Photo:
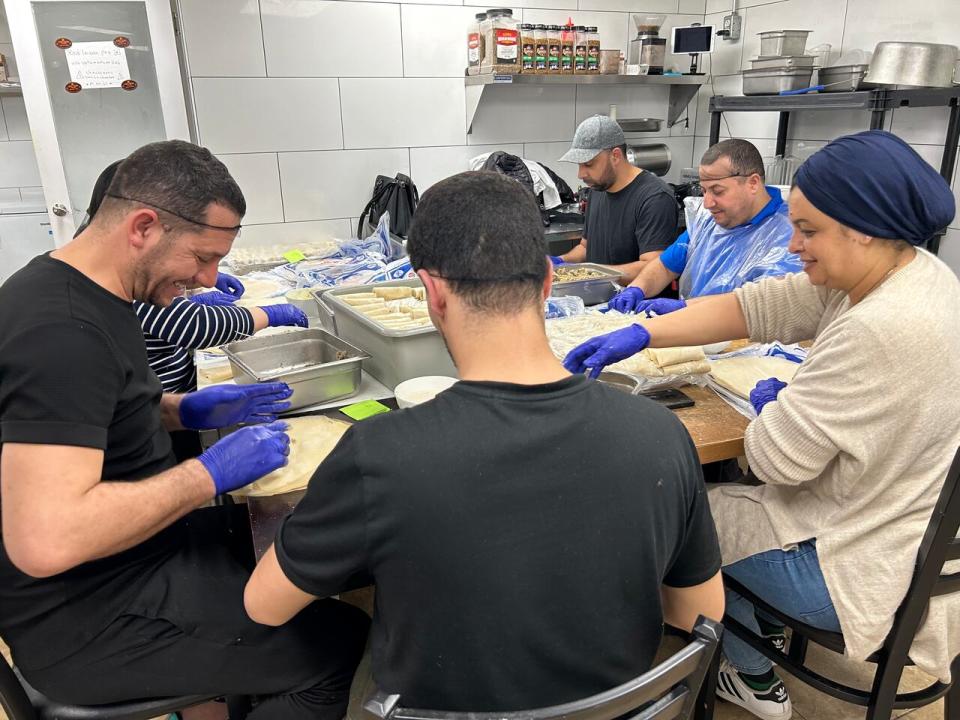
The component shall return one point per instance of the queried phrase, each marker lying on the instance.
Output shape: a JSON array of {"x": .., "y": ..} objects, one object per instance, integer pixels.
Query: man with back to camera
[
  {"x": 631, "y": 214},
  {"x": 740, "y": 233},
  {"x": 113, "y": 586},
  {"x": 509, "y": 564}
]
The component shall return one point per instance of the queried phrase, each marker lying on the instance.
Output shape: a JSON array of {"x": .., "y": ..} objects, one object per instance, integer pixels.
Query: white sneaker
[{"x": 772, "y": 704}]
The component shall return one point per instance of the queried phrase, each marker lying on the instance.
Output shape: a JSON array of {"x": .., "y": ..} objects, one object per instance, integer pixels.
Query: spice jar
[
  {"x": 475, "y": 43},
  {"x": 528, "y": 49},
  {"x": 566, "y": 48},
  {"x": 580, "y": 43},
  {"x": 553, "y": 49},
  {"x": 540, "y": 34},
  {"x": 593, "y": 51},
  {"x": 501, "y": 42}
]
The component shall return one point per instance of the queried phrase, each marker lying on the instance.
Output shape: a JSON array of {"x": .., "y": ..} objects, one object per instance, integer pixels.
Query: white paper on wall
[{"x": 97, "y": 64}]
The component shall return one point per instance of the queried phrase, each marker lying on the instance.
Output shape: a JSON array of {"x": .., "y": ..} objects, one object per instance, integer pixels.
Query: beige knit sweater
[{"x": 855, "y": 450}]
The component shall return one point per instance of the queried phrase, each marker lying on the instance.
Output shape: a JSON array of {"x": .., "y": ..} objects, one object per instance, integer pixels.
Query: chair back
[
  {"x": 666, "y": 692},
  {"x": 13, "y": 698},
  {"x": 940, "y": 544}
]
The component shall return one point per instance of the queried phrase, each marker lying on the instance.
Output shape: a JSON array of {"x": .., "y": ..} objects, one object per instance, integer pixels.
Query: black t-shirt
[
  {"x": 622, "y": 226},
  {"x": 517, "y": 562},
  {"x": 73, "y": 371}
]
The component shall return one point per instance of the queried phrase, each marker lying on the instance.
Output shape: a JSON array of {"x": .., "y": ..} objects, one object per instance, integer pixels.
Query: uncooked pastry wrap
[
  {"x": 312, "y": 438},
  {"x": 740, "y": 375}
]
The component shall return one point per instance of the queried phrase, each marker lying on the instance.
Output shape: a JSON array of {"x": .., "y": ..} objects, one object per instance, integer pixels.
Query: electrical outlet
[{"x": 731, "y": 27}]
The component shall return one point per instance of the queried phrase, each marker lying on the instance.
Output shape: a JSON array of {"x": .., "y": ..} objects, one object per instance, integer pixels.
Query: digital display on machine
[{"x": 693, "y": 39}]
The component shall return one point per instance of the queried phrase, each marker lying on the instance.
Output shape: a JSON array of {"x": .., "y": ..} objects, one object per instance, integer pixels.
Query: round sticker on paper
[
  {"x": 129, "y": 84},
  {"x": 73, "y": 87},
  {"x": 121, "y": 42},
  {"x": 63, "y": 43}
]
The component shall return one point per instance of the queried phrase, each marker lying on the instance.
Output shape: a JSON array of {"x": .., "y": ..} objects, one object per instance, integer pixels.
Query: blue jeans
[{"x": 789, "y": 581}]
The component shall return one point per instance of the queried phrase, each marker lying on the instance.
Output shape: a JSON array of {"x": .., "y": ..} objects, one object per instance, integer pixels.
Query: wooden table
[{"x": 716, "y": 428}]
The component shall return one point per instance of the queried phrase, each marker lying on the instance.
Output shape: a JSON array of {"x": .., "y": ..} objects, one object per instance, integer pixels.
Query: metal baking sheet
[{"x": 593, "y": 291}]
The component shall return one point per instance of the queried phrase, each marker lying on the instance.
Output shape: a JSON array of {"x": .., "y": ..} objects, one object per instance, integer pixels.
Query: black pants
[{"x": 190, "y": 634}]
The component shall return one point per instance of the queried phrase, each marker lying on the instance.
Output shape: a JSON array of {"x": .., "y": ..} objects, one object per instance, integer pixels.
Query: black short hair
[
  {"x": 482, "y": 232},
  {"x": 173, "y": 175},
  {"x": 743, "y": 156}
]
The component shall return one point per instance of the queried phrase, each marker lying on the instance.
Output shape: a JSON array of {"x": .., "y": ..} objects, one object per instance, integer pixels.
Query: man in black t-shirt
[
  {"x": 631, "y": 214},
  {"x": 113, "y": 586},
  {"x": 515, "y": 566}
]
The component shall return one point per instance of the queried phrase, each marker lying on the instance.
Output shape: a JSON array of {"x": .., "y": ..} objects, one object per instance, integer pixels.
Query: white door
[{"x": 83, "y": 113}]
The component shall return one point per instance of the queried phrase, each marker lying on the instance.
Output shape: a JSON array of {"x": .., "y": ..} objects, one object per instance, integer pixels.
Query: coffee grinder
[{"x": 648, "y": 48}]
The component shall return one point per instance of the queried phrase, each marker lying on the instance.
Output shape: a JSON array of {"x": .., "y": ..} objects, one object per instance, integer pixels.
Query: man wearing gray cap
[{"x": 631, "y": 214}]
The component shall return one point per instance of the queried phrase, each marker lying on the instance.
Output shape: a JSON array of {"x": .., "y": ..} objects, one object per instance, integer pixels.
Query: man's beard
[{"x": 604, "y": 183}]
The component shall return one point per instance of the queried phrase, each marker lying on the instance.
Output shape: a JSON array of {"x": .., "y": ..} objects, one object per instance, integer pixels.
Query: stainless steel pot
[
  {"x": 913, "y": 63},
  {"x": 655, "y": 157}
]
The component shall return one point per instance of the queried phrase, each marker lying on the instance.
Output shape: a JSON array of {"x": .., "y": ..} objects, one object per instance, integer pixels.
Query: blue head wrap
[{"x": 876, "y": 184}]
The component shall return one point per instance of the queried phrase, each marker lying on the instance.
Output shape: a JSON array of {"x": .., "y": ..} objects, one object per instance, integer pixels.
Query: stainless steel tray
[
  {"x": 844, "y": 78},
  {"x": 395, "y": 355},
  {"x": 621, "y": 381},
  {"x": 782, "y": 61},
  {"x": 773, "y": 81},
  {"x": 317, "y": 365},
  {"x": 593, "y": 291}
]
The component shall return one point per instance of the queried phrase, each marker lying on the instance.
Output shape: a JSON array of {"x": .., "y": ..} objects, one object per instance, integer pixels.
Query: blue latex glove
[
  {"x": 220, "y": 406},
  {"x": 214, "y": 297},
  {"x": 230, "y": 285},
  {"x": 246, "y": 455},
  {"x": 660, "y": 306},
  {"x": 596, "y": 353},
  {"x": 557, "y": 260},
  {"x": 627, "y": 300},
  {"x": 766, "y": 391},
  {"x": 285, "y": 314}
]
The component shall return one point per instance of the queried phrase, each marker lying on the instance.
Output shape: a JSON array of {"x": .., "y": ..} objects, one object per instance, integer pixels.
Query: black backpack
[{"x": 397, "y": 196}]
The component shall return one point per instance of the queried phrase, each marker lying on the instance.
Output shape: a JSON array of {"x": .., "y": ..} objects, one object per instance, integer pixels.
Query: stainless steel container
[
  {"x": 791, "y": 61},
  {"x": 653, "y": 157},
  {"x": 783, "y": 42},
  {"x": 914, "y": 64},
  {"x": 844, "y": 78},
  {"x": 593, "y": 291},
  {"x": 394, "y": 355},
  {"x": 317, "y": 365},
  {"x": 620, "y": 381},
  {"x": 640, "y": 124},
  {"x": 773, "y": 81}
]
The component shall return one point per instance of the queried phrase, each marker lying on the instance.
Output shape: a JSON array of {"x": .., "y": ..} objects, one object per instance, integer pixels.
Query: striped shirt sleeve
[{"x": 192, "y": 326}]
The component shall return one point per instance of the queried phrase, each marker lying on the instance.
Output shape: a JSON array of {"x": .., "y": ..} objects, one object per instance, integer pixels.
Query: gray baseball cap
[{"x": 595, "y": 134}]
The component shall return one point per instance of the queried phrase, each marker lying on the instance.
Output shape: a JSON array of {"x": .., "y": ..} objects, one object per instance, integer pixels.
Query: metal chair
[
  {"x": 21, "y": 702},
  {"x": 668, "y": 691},
  {"x": 939, "y": 545}
]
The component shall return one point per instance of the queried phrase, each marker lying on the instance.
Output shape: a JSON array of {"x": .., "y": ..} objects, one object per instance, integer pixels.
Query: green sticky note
[
  {"x": 294, "y": 256},
  {"x": 365, "y": 409}
]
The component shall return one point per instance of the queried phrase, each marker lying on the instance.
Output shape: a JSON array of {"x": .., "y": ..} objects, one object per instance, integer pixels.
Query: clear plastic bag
[
  {"x": 558, "y": 307},
  {"x": 720, "y": 260}
]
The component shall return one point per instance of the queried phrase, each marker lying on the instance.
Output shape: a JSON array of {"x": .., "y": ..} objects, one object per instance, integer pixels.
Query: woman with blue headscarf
[{"x": 853, "y": 453}]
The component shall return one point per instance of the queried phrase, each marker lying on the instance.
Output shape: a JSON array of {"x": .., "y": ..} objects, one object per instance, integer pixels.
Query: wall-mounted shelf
[
  {"x": 10, "y": 88},
  {"x": 683, "y": 88}
]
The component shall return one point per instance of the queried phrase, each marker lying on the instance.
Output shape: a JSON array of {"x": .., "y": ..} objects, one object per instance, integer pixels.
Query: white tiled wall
[
  {"x": 307, "y": 101},
  {"x": 847, "y": 25},
  {"x": 19, "y": 176}
]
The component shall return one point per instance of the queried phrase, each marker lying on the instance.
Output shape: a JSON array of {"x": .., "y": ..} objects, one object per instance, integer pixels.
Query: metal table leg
[
  {"x": 714, "y": 127},
  {"x": 782, "y": 128}
]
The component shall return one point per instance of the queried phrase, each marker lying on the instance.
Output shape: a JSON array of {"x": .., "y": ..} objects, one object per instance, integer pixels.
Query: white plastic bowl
[{"x": 421, "y": 389}]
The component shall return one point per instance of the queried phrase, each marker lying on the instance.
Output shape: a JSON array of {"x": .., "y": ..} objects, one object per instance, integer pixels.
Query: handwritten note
[{"x": 97, "y": 65}]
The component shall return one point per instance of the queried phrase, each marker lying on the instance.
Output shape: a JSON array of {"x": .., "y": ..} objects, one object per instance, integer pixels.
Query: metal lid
[
  {"x": 541, "y": 26},
  {"x": 499, "y": 12}
]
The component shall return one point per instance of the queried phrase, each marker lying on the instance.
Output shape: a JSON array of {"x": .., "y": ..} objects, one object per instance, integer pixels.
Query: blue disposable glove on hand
[
  {"x": 557, "y": 260},
  {"x": 627, "y": 300},
  {"x": 230, "y": 285},
  {"x": 766, "y": 391},
  {"x": 246, "y": 455},
  {"x": 596, "y": 353},
  {"x": 214, "y": 297},
  {"x": 285, "y": 314},
  {"x": 660, "y": 306},
  {"x": 220, "y": 406}
]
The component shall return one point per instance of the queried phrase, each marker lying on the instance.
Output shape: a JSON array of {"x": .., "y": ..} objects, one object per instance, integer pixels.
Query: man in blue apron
[{"x": 737, "y": 234}]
